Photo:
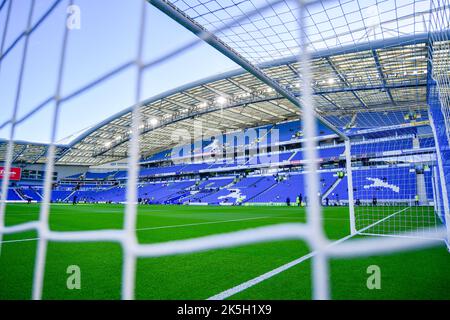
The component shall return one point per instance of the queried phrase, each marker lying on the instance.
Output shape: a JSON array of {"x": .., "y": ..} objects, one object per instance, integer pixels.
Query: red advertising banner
[{"x": 14, "y": 173}]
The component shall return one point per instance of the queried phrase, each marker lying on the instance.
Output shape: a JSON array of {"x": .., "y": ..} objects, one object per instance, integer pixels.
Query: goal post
[
  {"x": 438, "y": 100},
  {"x": 351, "y": 203},
  {"x": 398, "y": 182},
  {"x": 442, "y": 207},
  {"x": 390, "y": 185}
]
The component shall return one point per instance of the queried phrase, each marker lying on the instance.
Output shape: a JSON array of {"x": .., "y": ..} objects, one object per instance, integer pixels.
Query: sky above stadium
[{"x": 107, "y": 38}]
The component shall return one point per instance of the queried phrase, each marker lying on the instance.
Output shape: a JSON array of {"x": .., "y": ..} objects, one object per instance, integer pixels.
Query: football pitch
[{"x": 409, "y": 275}]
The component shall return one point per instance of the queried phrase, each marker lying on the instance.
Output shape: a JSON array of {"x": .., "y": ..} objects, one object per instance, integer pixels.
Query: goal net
[
  {"x": 400, "y": 162},
  {"x": 439, "y": 102},
  {"x": 394, "y": 181},
  {"x": 396, "y": 192}
]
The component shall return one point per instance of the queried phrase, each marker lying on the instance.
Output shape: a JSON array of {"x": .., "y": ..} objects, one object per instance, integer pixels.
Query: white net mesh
[
  {"x": 393, "y": 186},
  {"x": 440, "y": 46},
  {"x": 132, "y": 134}
]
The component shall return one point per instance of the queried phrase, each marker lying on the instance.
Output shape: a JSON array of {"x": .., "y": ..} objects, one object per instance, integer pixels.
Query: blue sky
[{"x": 107, "y": 39}]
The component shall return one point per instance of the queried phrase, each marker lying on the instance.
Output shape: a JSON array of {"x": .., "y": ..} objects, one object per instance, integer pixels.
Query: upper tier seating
[
  {"x": 251, "y": 137},
  {"x": 293, "y": 186},
  {"x": 324, "y": 153},
  {"x": 99, "y": 175},
  {"x": 270, "y": 158},
  {"x": 382, "y": 146},
  {"x": 74, "y": 176},
  {"x": 164, "y": 155},
  {"x": 214, "y": 183},
  {"x": 160, "y": 170},
  {"x": 194, "y": 167}
]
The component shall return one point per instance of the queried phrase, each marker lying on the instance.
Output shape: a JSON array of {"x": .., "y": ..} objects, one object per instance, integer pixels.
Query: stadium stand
[
  {"x": 32, "y": 193},
  {"x": 98, "y": 175},
  {"x": 203, "y": 187},
  {"x": 13, "y": 195}
]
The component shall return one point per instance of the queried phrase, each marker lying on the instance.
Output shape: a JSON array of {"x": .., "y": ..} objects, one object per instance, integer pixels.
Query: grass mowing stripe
[
  {"x": 201, "y": 223},
  {"x": 167, "y": 227}
]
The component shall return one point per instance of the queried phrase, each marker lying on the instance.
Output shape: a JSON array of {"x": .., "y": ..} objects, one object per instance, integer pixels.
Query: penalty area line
[
  {"x": 250, "y": 283},
  {"x": 244, "y": 286}
]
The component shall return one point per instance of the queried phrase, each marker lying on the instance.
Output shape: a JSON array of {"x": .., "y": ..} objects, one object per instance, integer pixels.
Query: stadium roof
[{"x": 373, "y": 76}]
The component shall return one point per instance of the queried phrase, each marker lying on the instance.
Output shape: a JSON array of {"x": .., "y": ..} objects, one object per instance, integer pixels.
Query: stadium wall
[{"x": 62, "y": 170}]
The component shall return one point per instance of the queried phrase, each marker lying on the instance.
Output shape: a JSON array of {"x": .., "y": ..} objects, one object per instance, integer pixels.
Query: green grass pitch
[{"x": 420, "y": 274}]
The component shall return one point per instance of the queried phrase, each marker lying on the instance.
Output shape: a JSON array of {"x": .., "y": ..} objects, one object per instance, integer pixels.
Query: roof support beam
[
  {"x": 24, "y": 147},
  {"x": 261, "y": 109},
  {"x": 223, "y": 48},
  {"x": 381, "y": 74},
  {"x": 177, "y": 118},
  {"x": 245, "y": 114},
  {"x": 414, "y": 39},
  {"x": 118, "y": 126},
  {"x": 199, "y": 124},
  {"x": 430, "y": 80},
  {"x": 294, "y": 71},
  {"x": 40, "y": 155},
  {"x": 330, "y": 101},
  {"x": 63, "y": 153},
  {"x": 196, "y": 97},
  {"x": 214, "y": 108},
  {"x": 240, "y": 113},
  {"x": 344, "y": 80},
  {"x": 283, "y": 107},
  {"x": 412, "y": 84},
  {"x": 352, "y": 120},
  {"x": 216, "y": 91},
  {"x": 240, "y": 86},
  {"x": 380, "y": 108},
  {"x": 179, "y": 104}
]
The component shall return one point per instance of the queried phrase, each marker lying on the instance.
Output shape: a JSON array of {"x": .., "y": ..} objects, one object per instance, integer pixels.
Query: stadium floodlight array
[{"x": 373, "y": 221}]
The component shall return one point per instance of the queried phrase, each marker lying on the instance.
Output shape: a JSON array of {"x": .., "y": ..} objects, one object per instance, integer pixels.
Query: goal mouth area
[{"x": 397, "y": 221}]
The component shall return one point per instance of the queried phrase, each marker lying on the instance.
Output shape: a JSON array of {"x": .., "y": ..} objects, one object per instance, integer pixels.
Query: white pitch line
[
  {"x": 244, "y": 286},
  {"x": 166, "y": 227},
  {"x": 201, "y": 223},
  {"x": 250, "y": 283},
  {"x": 19, "y": 240}
]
